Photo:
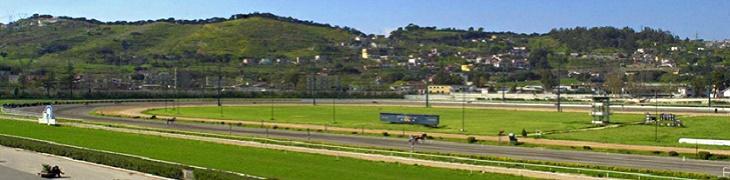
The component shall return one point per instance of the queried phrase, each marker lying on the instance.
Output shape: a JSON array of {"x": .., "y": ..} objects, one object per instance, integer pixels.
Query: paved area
[
  {"x": 606, "y": 159},
  {"x": 9, "y": 173},
  {"x": 22, "y": 164}
]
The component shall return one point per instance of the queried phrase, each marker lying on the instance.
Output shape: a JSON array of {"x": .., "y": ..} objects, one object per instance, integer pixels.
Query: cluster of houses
[
  {"x": 527, "y": 89},
  {"x": 718, "y": 44},
  {"x": 515, "y": 58},
  {"x": 419, "y": 90},
  {"x": 680, "y": 91},
  {"x": 650, "y": 57}
]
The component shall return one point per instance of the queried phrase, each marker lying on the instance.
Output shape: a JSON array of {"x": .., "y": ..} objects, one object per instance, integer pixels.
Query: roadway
[
  {"x": 10, "y": 173},
  {"x": 595, "y": 158}
]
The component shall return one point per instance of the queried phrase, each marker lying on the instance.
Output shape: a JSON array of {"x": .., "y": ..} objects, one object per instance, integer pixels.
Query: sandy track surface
[{"x": 136, "y": 111}]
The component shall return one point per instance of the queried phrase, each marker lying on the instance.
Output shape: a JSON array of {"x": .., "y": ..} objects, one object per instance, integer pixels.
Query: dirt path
[
  {"x": 136, "y": 111},
  {"x": 354, "y": 155}
]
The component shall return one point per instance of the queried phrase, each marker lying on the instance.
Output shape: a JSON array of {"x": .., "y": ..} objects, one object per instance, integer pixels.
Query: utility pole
[
  {"x": 88, "y": 85},
  {"x": 176, "y": 107},
  {"x": 623, "y": 81},
  {"x": 709, "y": 85},
  {"x": 504, "y": 79},
  {"x": 427, "y": 98},
  {"x": 656, "y": 114},
  {"x": 220, "y": 77},
  {"x": 314, "y": 83},
  {"x": 334, "y": 104},
  {"x": 463, "y": 108},
  {"x": 560, "y": 109},
  {"x": 709, "y": 81},
  {"x": 271, "y": 93},
  {"x": 272, "y": 109}
]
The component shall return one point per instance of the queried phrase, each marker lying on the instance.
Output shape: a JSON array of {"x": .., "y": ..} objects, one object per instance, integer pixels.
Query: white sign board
[{"x": 705, "y": 141}]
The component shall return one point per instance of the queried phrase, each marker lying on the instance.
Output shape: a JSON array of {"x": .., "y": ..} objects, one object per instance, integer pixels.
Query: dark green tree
[
  {"x": 548, "y": 79},
  {"x": 49, "y": 82},
  {"x": 443, "y": 77},
  {"x": 538, "y": 58},
  {"x": 69, "y": 79}
]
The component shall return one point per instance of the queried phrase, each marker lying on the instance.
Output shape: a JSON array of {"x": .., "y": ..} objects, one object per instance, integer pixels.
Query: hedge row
[
  {"x": 43, "y": 103},
  {"x": 151, "y": 94},
  {"x": 116, "y": 160}
]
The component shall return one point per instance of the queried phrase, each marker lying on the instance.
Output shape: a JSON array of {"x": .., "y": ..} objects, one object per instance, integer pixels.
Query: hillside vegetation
[
  {"x": 52, "y": 56},
  {"x": 60, "y": 39}
]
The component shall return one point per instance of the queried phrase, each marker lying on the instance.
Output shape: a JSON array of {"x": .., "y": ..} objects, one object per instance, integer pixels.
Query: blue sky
[{"x": 710, "y": 19}]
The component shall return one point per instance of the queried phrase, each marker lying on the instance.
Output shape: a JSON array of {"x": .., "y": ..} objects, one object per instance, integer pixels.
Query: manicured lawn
[
  {"x": 477, "y": 121},
  {"x": 706, "y": 127},
  {"x": 255, "y": 161}
]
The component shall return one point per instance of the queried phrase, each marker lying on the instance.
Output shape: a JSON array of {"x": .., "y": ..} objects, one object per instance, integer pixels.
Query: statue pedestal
[{"x": 47, "y": 121}]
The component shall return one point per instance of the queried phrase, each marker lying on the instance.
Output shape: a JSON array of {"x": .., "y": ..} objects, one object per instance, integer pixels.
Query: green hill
[{"x": 47, "y": 38}]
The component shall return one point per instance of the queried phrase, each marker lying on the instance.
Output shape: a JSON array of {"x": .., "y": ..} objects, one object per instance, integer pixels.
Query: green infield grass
[
  {"x": 703, "y": 127},
  {"x": 255, "y": 161},
  {"x": 476, "y": 121}
]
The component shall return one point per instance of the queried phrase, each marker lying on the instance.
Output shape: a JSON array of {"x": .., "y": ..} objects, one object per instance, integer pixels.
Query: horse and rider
[
  {"x": 53, "y": 172},
  {"x": 414, "y": 139}
]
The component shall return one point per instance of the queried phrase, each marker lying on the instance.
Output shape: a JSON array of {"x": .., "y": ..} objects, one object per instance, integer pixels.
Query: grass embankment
[
  {"x": 255, "y": 161},
  {"x": 477, "y": 121}
]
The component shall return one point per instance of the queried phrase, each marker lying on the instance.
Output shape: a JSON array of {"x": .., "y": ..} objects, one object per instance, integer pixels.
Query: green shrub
[
  {"x": 719, "y": 157},
  {"x": 471, "y": 139},
  {"x": 208, "y": 174},
  {"x": 704, "y": 155},
  {"x": 386, "y": 134},
  {"x": 673, "y": 153}
]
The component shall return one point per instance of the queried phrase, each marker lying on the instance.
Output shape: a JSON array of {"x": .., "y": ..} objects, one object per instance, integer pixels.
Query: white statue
[{"x": 48, "y": 117}]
